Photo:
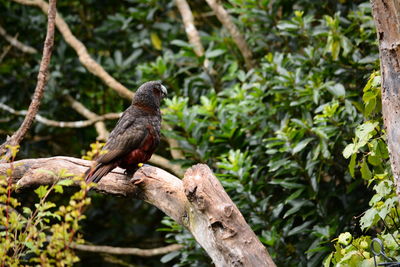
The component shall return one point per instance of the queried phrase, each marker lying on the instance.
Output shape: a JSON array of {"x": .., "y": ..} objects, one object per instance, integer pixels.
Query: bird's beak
[{"x": 164, "y": 91}]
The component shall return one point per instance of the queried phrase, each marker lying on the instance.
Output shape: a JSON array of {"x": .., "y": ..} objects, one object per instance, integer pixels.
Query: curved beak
[{"x": 164, "y": 91}]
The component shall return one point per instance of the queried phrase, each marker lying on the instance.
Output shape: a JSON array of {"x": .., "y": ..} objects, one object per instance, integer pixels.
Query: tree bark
[
  {"x": 198, "y": 202},
  {"x": 387, "y": 20},
  {"x": 42, "y": 78}
]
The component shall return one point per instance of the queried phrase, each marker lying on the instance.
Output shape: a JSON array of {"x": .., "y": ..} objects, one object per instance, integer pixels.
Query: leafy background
[{"x": 297, "y": 142}]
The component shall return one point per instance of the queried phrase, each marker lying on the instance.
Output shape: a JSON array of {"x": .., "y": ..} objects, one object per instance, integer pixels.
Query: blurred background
[{"x": 272, "y": 124}]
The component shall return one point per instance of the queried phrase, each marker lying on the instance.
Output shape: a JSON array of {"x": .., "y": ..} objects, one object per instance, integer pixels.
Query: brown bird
[{"x": 136, "y": 135}]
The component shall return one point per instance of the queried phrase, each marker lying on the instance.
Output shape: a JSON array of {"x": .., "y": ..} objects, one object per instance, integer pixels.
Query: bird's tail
[{"x": 95, "y": 174}]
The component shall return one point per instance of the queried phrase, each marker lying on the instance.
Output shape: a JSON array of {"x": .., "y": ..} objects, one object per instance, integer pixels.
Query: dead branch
[
  {"x": 62, "y": 124},
  {"x": 191, "y": 31},
  {"x": 6, "y": 49},
  {"x": 17, "y": 137},
  {"x": 90, "y": 64},
  {"x": 238, "y": 38},
  {"x": 17, "y": 44},
  {"x": 198, "y": 202},
  {"x": 128, "y": 251},
  {"x": 81, "y": 109}
]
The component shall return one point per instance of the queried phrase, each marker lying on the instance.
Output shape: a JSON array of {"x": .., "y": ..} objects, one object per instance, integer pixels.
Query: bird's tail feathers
[{"x": 95, "y": 174}]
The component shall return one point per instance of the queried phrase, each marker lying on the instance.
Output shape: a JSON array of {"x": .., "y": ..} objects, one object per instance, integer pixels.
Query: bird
[{"x": 135, "y": 136}]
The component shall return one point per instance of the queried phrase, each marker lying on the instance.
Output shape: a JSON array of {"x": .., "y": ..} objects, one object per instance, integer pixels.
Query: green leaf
[
  {"x": 301, "y": 145},
  {"x": 26, "y": 211},
  {"x": 327, "y": 260},
  {"x": 370, "y": 217},
  {"x": 366, "y": 174},
  {"x": 170, "y": 256},
  {"x": 352, "y": 164},
  {"x": 374, "y": 160},
  {"x": 156, "y": 41},
  {"x": 349, "y": 150},
  {"x": 337, "y": 90},
  {"x": 58, "y": 189},
  {"x": 65, "y": 182},
  {"x": 41, "y": 191},
  {"x": 214, "y": 53},
  {"x": 299, "y": 229},
  {"x": 286, "y": 184},
  {"x": 364, "y": 131}
]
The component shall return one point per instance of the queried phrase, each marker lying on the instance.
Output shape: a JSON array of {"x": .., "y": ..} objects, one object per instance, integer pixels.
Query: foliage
[
  {"x": 278, "y": 136},
  {"x": 42, "y": 235},
  {"x": 369, "y": 155}
]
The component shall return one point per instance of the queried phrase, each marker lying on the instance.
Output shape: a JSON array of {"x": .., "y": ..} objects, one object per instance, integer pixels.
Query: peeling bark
[
  {"x": 387, "y": 20},
  {"x": 198, "y": 202}
]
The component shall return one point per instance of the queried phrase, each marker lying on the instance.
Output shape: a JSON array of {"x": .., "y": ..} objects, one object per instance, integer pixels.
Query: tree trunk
[
  {"x": 198, "y": 202},
  {"x": 387, "y": 20}
]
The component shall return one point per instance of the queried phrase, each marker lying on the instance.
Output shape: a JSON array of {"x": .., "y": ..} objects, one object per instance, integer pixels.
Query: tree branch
[
  {"x": 198, "y": 202},
  {"x": 238, "y": 38},
  {"x": 81, "y": 109},
  {"x": 128, "y": 251},
  {"x": 191, "y": 31},
  {"x": 17, "y": 44},
  {"x": 387, "y": 17},
  {"x": 17, "y": 137},
  {"x": 62, "y": 124},
  {"x": 90, "y": 64}
]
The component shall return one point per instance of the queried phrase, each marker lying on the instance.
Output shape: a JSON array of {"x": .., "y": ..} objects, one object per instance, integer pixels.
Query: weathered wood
[
  {"x": 198, "y": 202},
  {"x": 387, "y": 20},
  {"x": 224, "y": 232}
]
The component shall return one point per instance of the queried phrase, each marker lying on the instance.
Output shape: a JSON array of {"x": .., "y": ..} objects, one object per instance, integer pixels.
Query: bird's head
[{"x": 150, "y": 94}]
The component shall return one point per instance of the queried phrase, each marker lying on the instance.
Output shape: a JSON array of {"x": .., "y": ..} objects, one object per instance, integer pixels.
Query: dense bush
[{"x": 274, "y": 135}]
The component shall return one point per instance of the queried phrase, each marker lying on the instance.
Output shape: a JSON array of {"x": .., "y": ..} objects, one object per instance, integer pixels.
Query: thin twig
[
  {"x": 41, "y": 83},
  {"x": 238, "y": 38},
  {"x": 90, "y": 64},
  {"x": 128, "y": 251},
  {"x": 17, "y": 44},
  {"x": 5, "y": 52}
]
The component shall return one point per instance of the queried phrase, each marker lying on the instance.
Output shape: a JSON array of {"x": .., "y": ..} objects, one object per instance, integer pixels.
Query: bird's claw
[{"x": 136, "y": 181}]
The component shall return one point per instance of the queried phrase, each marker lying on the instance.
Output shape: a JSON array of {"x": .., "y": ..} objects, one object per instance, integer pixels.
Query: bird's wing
[{"x": 128, "y": 134}]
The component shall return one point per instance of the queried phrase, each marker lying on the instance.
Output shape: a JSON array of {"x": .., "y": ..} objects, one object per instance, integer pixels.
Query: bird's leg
[{"x": 130, "y": 171}]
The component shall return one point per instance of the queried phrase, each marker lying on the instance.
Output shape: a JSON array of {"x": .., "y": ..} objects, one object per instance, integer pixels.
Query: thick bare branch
[
  {"x": 198, "y": 202},
  {"x": 238, "y": 38},
  {"x": 387, "y": 18},
  {"x": 81, "y": 109},
  {"x": 14, "y": 42},
  {"x": 90, "y": 64},
  {"x": 128, "y": 251},
  {"x": 17, "y": 137}
]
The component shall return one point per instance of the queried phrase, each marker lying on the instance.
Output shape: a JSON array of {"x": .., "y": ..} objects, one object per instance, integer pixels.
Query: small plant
[
  {"x": 369, "y": 155},
  {"x": 43, "y": 235}
]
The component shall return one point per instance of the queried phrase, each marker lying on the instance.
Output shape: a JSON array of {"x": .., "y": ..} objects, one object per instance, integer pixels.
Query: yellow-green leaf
[{"x": 156, "y": 41}]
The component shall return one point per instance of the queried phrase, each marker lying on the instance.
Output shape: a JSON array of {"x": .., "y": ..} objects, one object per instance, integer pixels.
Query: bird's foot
[{"x": 135, "y": 180}]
